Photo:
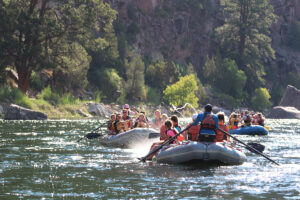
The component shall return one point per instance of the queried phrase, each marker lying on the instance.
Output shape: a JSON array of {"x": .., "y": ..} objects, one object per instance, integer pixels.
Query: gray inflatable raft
[
  {"x": 132, "y": 137},
  {"x": 195, "y": 152}
]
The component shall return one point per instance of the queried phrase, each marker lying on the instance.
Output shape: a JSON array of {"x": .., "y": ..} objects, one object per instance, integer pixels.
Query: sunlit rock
[
  {"x": 280, "y": 112},
  {"x": 15, "y": 112}
]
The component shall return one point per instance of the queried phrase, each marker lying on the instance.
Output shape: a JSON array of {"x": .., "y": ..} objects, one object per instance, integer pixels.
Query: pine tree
[{"x": 245, "y": 36}]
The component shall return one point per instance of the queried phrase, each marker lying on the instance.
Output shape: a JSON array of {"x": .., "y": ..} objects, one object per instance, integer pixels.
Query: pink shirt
[{"x": 171, "y": 133}]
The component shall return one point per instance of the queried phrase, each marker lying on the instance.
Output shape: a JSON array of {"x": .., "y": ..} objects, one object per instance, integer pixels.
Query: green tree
[
  {"x": 225, "y": 77},
  {"x": 39, "y": 31},
  {"x": 135, "y": 84},
  {"x": 261, "y": 99},
  {"x": 183, "y": 91},
  {"x": 245, "y": 36},
  {"x": 71, "y": 73}
]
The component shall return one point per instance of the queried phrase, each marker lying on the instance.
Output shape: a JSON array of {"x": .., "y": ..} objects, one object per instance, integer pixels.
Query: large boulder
[
  {"x": 280, "y": 112},
  {"x": 291, "y": 97},
  {"x": 15, "y": 112},
  {"x": 99, "y": 109}
]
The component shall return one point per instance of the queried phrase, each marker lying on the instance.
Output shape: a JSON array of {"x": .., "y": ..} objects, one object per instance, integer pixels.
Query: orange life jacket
[
  {"x": 220, "y": 135},
  {"x": 208, "y": 122},
  {"x": 193, "y": 132}
]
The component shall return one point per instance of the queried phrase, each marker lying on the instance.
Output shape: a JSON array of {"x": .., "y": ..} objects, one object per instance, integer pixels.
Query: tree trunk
[{"x": 24, "y": 78}]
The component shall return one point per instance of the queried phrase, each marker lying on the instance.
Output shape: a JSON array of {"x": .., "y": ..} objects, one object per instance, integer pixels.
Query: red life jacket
[
  {"x": 208, "y": 122},
  {"x": 220, "y": 135}
]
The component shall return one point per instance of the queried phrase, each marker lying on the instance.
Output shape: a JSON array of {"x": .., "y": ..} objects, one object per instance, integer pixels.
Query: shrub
[
  {"x": 183, "y": 91},
  {"x": 261, "y": 99},
  {"x": 109, "y": 82},
  {"x": 15, "y": 95}
]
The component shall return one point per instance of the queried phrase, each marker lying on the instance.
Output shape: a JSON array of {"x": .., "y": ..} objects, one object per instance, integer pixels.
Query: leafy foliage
[
  {"x": 135, "y": 84},
  {"x": 261, "y": 99},
  {"x": 39, "y": 32},
  {"x": 16, "y": 96},
  {"x": 183, "y": 91},
  {"x": 225, "y": 77},
  {"x": 109, "y": 82}
]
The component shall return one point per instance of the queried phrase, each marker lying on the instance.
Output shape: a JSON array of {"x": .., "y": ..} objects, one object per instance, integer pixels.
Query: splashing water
[{"x": 186, "y": 104}]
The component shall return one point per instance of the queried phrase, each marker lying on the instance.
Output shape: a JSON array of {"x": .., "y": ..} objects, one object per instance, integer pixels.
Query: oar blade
[
  {"x": 257, "y": 146},
  {"x": 92, "y": 135}
]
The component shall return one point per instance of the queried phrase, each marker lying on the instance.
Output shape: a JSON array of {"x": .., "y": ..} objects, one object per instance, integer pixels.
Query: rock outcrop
[
  {"x": 15, "y": 112},
  {"x": 291, "y": 97},
  {"x": 99, "y": 109},
  {"x": 280, "y": 112}
]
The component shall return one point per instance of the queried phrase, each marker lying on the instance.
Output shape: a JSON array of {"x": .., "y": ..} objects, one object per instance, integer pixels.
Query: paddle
[
  {"x": 143, "y": 159},
  {"x": 91, "y": 135},
  {"x": 248, "y": 147}
]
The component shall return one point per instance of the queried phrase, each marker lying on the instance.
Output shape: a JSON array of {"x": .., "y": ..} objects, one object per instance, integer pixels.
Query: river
[{"x": 43, "y": 160}]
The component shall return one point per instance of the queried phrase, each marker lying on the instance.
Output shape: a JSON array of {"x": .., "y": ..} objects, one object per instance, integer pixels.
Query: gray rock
[
  {"x": 15, "y": 112},
  {"x": 80, "y": 112},
  {"x": 291, "y": 97},
  {"x": 99, "y": 109},
  {"x": 280, "y": 112}
]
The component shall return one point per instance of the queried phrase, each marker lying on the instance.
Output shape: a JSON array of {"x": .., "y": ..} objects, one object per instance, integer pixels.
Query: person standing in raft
[
  {"x": 208, "y": 126},
  {"x": 192, "y": 133},
  {"x": 220, "y": 136}
]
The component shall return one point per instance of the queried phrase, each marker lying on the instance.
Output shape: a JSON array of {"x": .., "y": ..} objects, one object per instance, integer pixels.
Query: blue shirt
[{"x": 200, "y": 118}]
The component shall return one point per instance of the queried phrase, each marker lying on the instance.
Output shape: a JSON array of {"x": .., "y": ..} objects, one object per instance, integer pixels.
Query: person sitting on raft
[
  {"x": 220, "y": 136},
  {"x": 118, "y": 125},
  {"x": 169, "y": 133},
  {"x": 193, "y": 131},
  {"x": 247, "y": 119},
  {"x": 163, "y": 135},
  {"x": 174, "y": 120},
  {"x": 234, "y": 121},
  {"x": 157, "y": 121},
  {"x": 127, "y": 119},
  {"x": 110, "y": 124},
  {"x": 178, "y": 128},
  {"x": 208, "y": 126},
  {"x": 260, "y": 119},
  {"x": 141, "y": 122}
]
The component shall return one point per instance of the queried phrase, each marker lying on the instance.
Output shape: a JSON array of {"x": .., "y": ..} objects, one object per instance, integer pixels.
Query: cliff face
[{"x": 184, "y": 31}]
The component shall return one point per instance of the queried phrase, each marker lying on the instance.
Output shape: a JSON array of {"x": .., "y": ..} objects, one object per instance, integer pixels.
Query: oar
[
  {"x": 249, "y": 147},
  {"x": 163, "y": 144},
  {"x": 91, "y": 135}
]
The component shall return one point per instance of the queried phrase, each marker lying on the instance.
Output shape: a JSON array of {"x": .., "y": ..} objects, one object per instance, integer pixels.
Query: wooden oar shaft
[
  {"x": 163, "y": 144},
  {"x": 257, "y": 152}
]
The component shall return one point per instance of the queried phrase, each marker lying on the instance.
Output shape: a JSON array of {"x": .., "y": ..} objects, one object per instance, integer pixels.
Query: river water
[{"x": 43, "y": 160}]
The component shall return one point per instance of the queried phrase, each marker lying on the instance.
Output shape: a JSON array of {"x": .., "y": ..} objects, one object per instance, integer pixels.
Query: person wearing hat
[
  {"x": 192, "y": 133},
  {"x": 209, "y": 123}
]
